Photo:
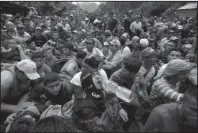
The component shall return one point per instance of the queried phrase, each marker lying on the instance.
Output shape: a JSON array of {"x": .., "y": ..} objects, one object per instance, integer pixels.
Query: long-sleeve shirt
[
  {"x": 106, "y": 122},
  {"x": 163, "y": 90}
]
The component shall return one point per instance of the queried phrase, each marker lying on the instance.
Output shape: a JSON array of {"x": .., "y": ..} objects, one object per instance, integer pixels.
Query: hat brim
[{"x": 32, "y": 76}]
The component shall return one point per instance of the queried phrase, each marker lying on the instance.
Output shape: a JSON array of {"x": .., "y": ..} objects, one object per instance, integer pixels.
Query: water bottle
[{"x": 121, "y": 92}]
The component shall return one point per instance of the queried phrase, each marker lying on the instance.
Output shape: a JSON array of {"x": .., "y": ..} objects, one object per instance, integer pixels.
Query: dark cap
[{"x": 147, "y": 52}]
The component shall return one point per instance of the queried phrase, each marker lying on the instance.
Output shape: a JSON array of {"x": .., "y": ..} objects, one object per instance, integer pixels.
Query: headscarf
[{"x": 176, "y": 66}]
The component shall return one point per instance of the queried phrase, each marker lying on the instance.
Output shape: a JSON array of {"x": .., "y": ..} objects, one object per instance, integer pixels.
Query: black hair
[
  {"x": 50, "y": 77},
  {"x": 132, "y": 63},
  {"x": 177, "y": 49},
  {"x": 38, "y": 55},
  {"x": 81, "y": 54},
  {"x": 92, "y": 61},
  {"x": 122, "y": 40}
]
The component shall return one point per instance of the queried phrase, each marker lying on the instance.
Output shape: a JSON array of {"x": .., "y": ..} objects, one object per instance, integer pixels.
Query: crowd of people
[{"x": 63, "y": 75}]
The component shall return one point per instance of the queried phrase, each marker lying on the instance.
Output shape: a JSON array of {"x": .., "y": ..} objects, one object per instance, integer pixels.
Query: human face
[
  {"x": 10, "y": 26},
  {"x": 38, "y": 61},
  {"x": 97, "y": 81},
  {"x": 38, "y": 32},
  {"x": 79, "y": 61},
  {"x": 53, "y": 87},
  {"x": 66, "y": 51},
  {"x": 55, "y": 36},
  {"x": 150, "y": 60},
  {"x": 20, "y": 31},
  {"x": 105, "y": 50},
  {"x": 174, "y": 55},
  {"x": 89, "y": 46},
  {"x": 113, "y": 48},
  {"x": 86, "y": 67},
  {"x": 169, "y": 46}
]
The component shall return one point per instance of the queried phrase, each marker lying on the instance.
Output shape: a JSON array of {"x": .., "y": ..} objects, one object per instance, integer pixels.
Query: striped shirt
[{"x": 161, "y": 89}]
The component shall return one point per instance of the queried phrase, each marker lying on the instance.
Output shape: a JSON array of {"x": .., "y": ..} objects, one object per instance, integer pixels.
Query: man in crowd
[
  {"x": 15, "y": 84},
  {"x": 112, "y": 24}
]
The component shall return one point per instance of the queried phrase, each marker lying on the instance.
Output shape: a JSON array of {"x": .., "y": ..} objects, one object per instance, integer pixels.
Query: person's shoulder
[{"x": 165, "y": 109}]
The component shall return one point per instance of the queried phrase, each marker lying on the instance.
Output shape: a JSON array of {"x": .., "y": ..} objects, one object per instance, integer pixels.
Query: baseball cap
[
  {"x": 29, "y": 68},
  {"x": 180, "y": 27},
  {"x": 115, "y": 42},
  {"x": 144, "y": 42},
  {"x": 106, "y": 44},
  {"x": 135, "y": 39},
  {"x": 38, "y": 28},
  {"x": 86, "y": 19},
  {"x": 173, "y": 38},
  {"x": 147, "y": 52}
]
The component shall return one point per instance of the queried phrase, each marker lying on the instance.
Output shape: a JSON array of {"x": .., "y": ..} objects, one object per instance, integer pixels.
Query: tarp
[
  {"x": 189, "y": 6},
  {"x": 12, "y": 8}
]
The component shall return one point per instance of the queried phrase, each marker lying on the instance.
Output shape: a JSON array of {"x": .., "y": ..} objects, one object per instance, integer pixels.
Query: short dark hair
[
  {"x": 176, "y": 49},
  {"x": 81, "y": 54},
  {"x": 50, "y": 77},
  {"x": 38, "y": 55},
  {"x": 132, "y": 63},
  {"x": 122, "y": 40}
]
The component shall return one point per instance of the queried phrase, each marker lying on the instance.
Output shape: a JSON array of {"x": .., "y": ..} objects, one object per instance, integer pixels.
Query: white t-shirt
[
  {"x": 95, "y": 51},
  {"x": 76, "y": 79}
]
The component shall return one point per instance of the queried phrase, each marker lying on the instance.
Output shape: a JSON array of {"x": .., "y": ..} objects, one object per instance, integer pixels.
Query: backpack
[{"x": 66, "y": 111}]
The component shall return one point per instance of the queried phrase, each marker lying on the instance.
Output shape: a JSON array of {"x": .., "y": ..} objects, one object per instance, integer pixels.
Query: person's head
[
  {"x": 53, "y": 22},
  {"x": 10, "y": 26},
  {"x": 26, "y": 21},
  {"x": 135, "y": 39},
  {"x": 174, "y": 53},
  {"x": 169, "y": 45},
  {"x": 177, "y": 69},
  {"x": 114, "y": 45},
  {"x": 186, "y": 48},
  {"x": 55, "y": 35},
  {"x": 86, "y": 20},
  {"x": 90, "y": 43},
  {"x": 111, "y": 14},
  {"x": 59, "y": 44},
  {"x": 105, "y": 48},
  {"x": 174, "y": 39},
  {"x": 52, "y": 83},
  {"x": 65, "y": 20},
  {"x": 38, "y": 58},
  {"x": 190, "y": 58},
  {"x": 137, "y": 18},
  {"x": 122, "y": 40},
  {"x": 92, "y": 84},
  {"x": 23, "y": 123},
  {"x": 148, "y": 56},
  {"x": 67, "y": 49},
  {"x": 144, "y": 43},
  {"x": 20, "y": 29},
  {"x": 91, "y": 63},
  {"x": 38, "y": 31},
  {"x": 80, "y": 57},
  {"x": 132, "y": 63},
  {"x": 53, "y": 124},
  {"x": 26, "y": 70}
]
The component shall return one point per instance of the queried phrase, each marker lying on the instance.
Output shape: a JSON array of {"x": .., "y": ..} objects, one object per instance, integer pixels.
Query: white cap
[
  {"x": 106, "y": 44},
  {"x": 174, "y": 38},
  {"x": 96, "y": 21},
  {"x": 144, "y": 42},
  {"x": 125, "y": 35},
  {"x": 29, "y": 68},
  {"x": 180, "y": 27},
  {"x": 71, "y": 15},
  {"x": 189, "y": 46},
  {"x": 75, "y": 31},
  {"x": 86, "y": 19},
  {"x": 115, "y": 42},
  {"x": 83, "y": 30}
]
